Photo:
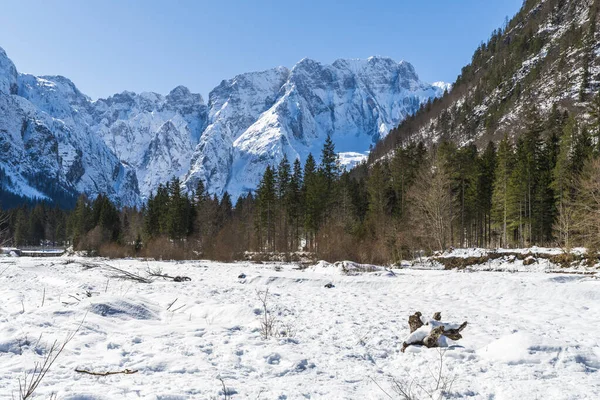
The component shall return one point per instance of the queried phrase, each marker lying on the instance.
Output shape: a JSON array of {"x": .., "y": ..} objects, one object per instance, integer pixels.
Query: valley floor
[{"x": 530, "y": 334}]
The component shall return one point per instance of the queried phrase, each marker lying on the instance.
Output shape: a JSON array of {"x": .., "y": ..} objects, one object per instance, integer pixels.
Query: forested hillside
[{"x": 546, "y": 55}]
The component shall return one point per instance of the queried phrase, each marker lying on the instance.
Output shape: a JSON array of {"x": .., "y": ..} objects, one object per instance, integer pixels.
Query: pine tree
[
  {"x": 562, "y": 183},
  {"x": 225, "y": 211},
  {"x": 330, "y": 166},
  {"x": 485, "y": 192},
  {"x": 500, "y": 196},
  {"x": 294, "y": 202},
  {"x": 312, "y": 192},
  {"x": 379, "y": 194},
  {"x": 267, "y": 206},
  {"x": 329, "y": 173},
  {"x": 20, "y": 228},
  {"x": 178, "y": 212},
  {"x": 81, "y": 220},
  {"x": 151, "y": 218},
  {"x": 282, "y": 188}
]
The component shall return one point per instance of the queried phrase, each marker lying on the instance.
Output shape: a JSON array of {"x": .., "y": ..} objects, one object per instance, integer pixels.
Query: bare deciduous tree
[
  {"x": 565, "y": 224},
  {"x": 587, "y": 206},
  {"x": 4, "y": 232},
  {"x": 431, "y": 200}
]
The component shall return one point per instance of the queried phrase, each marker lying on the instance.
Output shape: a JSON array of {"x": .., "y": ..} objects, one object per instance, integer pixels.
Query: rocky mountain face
[
  {"x": 154, "y": 134},
  {"x": 255, "y": 119},
  {"x": 547, "y": 56},
  {"x": 55, "y": 141},
  {"x": 47, "y": 147}
]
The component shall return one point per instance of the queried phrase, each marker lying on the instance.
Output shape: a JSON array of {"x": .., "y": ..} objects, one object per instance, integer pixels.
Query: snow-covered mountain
[
  {"x": 55, "y": 140},
  {"x": 255, "y": 119},
  {"x": 48, "y": 148},
  {"x": 154, "y": 134}
]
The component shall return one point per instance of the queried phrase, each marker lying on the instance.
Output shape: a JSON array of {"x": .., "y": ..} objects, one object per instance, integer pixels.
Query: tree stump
[
  {"x": 414, "y": 321},
  {"x": 428, "y": 334}
]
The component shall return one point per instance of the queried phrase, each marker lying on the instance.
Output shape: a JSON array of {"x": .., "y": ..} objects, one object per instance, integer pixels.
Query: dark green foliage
[{"x": 267, "y": 208}]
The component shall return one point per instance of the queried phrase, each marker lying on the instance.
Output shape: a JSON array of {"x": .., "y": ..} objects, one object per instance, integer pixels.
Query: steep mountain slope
[
  {"x": 547, "y": 55},
  {"x": 234, "y": 106},
  {"x": 354, "y": 101}
]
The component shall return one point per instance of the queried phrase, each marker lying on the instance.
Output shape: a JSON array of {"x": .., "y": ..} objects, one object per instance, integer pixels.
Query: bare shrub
[
  {"x": 335, "y": 244},
  {"x": 268, "y": 322},
  {"x": 439, "y": 388},
  {"x": 32, "y": 380},
  {"x": 115, "y": 250},
  {"x": 270, "y": 325},
  {"x": 162, "y": 248},
  {"x": 94, "y": 239},
  {"x": 225, "y": 246}
]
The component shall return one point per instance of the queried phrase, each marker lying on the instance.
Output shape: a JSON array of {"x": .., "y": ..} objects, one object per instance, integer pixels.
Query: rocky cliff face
[
  {"x": 55, "y": 139},
  {"x": 154, "y": 134}
]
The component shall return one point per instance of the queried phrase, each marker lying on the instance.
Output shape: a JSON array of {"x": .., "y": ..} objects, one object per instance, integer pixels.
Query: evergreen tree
[
  {"x": 151, "y": 217},
  {"x": 313, "y": 190},
  {"x": 178, "y": 212},
  {"x": 81, "y": 220},
  {"x": 329, "y": 173},
  {"x": 500, "y": 196},
  {"x": 294, "y": 202},
  {"x": 282, "y": 187},
  {"x": 485, "y": 192},
  {"x": 330, "y": 166},
  {"x": 266, "y": 204},
  {"x": 562, "y": 183},
  {"x": 225, "y": 211}
]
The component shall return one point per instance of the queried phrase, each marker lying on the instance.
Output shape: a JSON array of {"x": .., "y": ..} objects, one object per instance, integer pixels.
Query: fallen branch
[
  {"x": 174, "y": 278},
  {"x": 123, "y": 274},
  {"x": 124, "y": 372}
]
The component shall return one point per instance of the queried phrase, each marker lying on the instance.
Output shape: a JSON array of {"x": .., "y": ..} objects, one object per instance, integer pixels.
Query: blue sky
[{"x": 109, "y": 46}]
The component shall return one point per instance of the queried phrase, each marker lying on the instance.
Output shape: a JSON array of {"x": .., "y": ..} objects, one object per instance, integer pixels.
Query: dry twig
[{"x": 107, "y": 373}]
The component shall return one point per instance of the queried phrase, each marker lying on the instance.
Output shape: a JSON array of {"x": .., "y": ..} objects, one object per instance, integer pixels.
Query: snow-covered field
[{"x": 530, "y": 335}]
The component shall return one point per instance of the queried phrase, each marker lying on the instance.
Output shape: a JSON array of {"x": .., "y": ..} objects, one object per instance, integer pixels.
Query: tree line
[{"x": 542, "y": 188}]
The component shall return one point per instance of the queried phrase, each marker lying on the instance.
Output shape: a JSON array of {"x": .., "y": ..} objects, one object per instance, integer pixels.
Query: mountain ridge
[{"x": 128, "y": 143}]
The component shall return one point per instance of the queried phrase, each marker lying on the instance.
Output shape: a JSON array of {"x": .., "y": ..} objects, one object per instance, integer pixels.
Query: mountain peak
[
  {"x": 181, "y": 94},
  {"x": 8, "y": 74}
]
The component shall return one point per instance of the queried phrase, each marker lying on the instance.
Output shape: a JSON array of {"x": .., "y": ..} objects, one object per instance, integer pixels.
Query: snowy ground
[{"x": 530, "y": 335}]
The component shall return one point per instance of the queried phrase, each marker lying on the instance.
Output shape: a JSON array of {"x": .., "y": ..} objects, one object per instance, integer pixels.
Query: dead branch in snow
[
  {"x": 158, "y": 274},
  {"x": 107, "y": 373},
  {"x": 124, "y": 274}
]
